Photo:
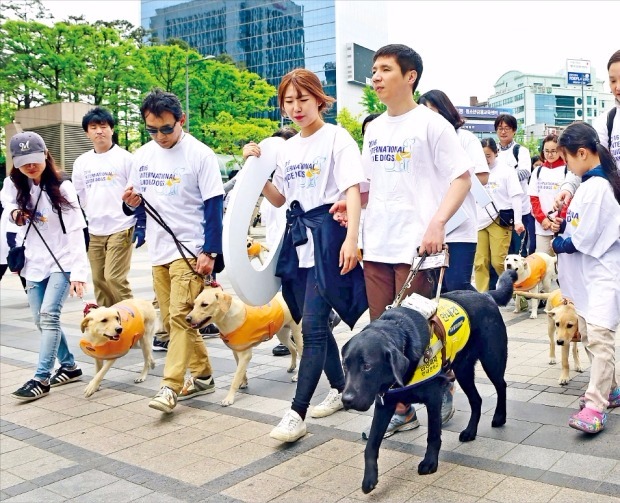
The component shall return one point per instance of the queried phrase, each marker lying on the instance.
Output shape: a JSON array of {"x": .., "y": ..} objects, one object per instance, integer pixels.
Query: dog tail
[
  {"x": 505, "y": 287},
  {"x": 533, "y": 295}
]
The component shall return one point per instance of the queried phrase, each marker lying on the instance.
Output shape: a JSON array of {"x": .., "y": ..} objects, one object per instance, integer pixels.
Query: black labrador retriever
[{"x": 385, "y": 354}]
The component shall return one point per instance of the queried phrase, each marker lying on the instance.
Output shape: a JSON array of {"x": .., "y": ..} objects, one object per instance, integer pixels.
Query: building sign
[
  {"x": 475, "y": 127},
  {"x": 578, "y": 72},
  {"x": 359, "y": 64},
  {"x": 482, "y": 112}
]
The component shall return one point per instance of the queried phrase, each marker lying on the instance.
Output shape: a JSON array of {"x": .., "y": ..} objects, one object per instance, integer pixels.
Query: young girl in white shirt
[
  {"x": 36, "y": 197},
  {"x": 318, "y": 262},
  {"x": 588, "y": 264}
]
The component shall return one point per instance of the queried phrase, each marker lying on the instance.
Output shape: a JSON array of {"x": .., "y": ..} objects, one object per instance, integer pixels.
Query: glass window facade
[{"x": 269, "y": 37}]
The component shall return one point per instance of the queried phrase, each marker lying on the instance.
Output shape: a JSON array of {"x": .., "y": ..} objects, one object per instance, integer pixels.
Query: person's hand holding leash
[
  {"x": 562, "y": 199},
  {"x": 77, "y": 288},
  {"x": 204, "y": 264},
  {"x": 519, "y": 228},
  {"x": 131, "y": 198},
  {"x": 433, "y": 239}
]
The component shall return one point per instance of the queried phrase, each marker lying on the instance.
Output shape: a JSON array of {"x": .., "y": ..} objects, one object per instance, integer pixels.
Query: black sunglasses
[{"x": 162, "y": 130}]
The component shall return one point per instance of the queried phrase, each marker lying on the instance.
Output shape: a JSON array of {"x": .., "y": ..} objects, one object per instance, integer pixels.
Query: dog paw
[
  {"x": 290, "y": 370},
  {"x": 138, "y": 379},
  {"x": 578, "y": 369},
  {"x": 498, "y": 420},
  {"x": 428, "y": 466},
  {"x": 369, "y": 482},
  {"x": 563, "y": 380},
  {"x": 552, "y": 361},
  {"x": 467, "y": 436},
  {"x": 227, "y": 401},
  {"x": 516, "y": 310},
  {"x": 90, "y": 390},
  {"x": 534, "y": 316},
  {"x": 294, "y": 378},
  {"x": 243, "y": 385}
]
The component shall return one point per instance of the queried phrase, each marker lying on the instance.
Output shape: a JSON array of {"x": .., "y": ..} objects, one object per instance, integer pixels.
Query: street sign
[{"x": 578, "y": 72}]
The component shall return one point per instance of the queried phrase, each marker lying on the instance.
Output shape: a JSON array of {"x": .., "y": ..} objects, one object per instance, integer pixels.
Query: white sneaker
[
  {"x": 291, "y": 428},
  {"x": 165, "y": 400},
  {"x": 331, "y": 404}
]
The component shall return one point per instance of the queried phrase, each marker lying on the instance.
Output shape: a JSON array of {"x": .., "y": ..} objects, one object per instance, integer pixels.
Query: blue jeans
[
  {"x": 320, "y": 349},
  {"x": 46, "y": 299},
  {"x": 515, "y": 243}
]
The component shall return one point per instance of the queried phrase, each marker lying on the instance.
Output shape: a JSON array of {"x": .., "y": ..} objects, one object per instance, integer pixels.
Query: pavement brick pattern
[{"x": 112, "y": 447}]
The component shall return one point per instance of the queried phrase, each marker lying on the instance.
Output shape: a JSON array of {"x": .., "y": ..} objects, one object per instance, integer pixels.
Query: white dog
[
  {"x": 535, "y": 274},
  {"x": 110, "y": 332},
  {"x": 244, "y": 327}
]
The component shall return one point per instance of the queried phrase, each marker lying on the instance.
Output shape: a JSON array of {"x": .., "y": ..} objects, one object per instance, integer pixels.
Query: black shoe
[
  {"x": 209, "y": 331},
  {"x": 160, "y": 345},
  {"x": 64, "y": 375},
  {"x": 32, "y": 390},
  {"x": 280, "y": 350},
  {"x": 334, "y": 320}
]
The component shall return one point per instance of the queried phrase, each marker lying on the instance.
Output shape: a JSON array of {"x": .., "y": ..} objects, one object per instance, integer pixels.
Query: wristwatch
[{"x": 213, "y": 255}]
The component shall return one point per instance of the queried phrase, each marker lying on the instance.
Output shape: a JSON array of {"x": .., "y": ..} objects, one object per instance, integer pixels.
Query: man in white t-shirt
[
  {"x": 178, "y": 179},
  {"x": 419, "y": 176},
  {"x": 100, "y": 176}
]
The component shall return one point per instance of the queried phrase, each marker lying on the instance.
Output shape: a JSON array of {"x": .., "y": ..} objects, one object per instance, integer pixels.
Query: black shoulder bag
[{"x": 16, "y": 259}]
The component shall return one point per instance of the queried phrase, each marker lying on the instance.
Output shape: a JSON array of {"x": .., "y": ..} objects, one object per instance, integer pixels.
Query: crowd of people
[{"x": 411, "y": 180}]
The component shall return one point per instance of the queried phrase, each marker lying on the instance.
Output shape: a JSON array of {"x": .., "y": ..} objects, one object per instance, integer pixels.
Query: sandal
[{"x": 588, "y": 420}]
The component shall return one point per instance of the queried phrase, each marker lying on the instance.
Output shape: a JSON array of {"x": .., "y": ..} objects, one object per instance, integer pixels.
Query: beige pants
[
  {"x": 543, "y": 244},
  {"x": 110, "y": 259},
  {"x": 599, "y": 344},
  {"x": 176, "y": 287},
  {"x": 491, "y": 250}
]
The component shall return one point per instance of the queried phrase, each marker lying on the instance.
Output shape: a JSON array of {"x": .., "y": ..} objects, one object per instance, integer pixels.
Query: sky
[{"x": 466, "y": 46}]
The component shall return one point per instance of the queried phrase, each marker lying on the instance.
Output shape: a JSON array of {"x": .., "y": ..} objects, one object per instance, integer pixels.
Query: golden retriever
[
  {"x": 243, "y": 327},
  {"x": 535, "y": 274},
  {"x": 561, "y": 326},
  {"x": 109, "y": 333}
]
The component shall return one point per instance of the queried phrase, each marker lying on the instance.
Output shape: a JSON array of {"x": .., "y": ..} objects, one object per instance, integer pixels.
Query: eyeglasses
[
  {"x": 550, "y": 152},
  {"x": 504, "y": 129},
  {"x": 163, "y": 130}
]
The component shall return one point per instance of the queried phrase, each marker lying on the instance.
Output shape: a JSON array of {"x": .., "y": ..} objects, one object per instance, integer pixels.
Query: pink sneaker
[{"x": 588, "y": 420}]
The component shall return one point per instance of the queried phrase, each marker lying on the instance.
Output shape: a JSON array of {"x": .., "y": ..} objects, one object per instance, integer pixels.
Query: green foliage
[
  {"x": 352, "y": 124},
  {"x": 227, "y": 134},
  {"x": 371, "y": 102},
  {"x": 109, "y": 64}
]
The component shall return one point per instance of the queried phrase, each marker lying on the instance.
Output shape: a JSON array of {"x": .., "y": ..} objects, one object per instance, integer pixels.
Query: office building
[
  {"x": 542, "y": 103},
  {"x": 334, "y": 39}
]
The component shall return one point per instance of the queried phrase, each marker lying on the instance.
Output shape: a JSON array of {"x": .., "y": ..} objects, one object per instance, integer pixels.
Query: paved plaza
[{"x": 113, "y": 447}]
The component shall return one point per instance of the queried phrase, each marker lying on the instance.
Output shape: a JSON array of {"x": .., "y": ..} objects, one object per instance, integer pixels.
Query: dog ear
[
  {"x": 224, "y": 301},
  {"x": 87, "y": 319},
  {"x": 399, "y": 363},
  {"x": 553, "y": 312}
]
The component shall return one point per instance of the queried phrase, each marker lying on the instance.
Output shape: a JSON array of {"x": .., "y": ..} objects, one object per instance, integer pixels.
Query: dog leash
[{"x": 407, "y": 284}]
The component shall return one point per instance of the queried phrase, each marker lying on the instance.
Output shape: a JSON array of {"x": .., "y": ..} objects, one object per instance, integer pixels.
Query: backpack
[
  {"x": 611, "y": 115},
  {"x": 540, "y": 167},
  {"x": 515, "y": 152}
]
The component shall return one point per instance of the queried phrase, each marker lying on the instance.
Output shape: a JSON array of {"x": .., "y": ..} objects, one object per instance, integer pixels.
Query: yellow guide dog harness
[
  {"x": 452, "y": 320},
  {"x": 261, "y": 323},
  {"x": 132, "y": 322}
]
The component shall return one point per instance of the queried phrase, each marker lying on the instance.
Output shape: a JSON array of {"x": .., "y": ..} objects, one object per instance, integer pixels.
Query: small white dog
[
  {"x": 110, "y": 332},
  {"x": 535, "y": 274}
]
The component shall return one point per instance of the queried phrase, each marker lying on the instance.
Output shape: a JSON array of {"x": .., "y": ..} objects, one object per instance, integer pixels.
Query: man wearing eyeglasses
[
  {"x": 178, "y": 179},
  {"x": 517, "y": 156}
]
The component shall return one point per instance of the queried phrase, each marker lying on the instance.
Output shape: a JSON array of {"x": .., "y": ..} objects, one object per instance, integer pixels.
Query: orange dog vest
[
  {"x": 538, "y": 268},
  {"x": 132, "y": 322},
  {"x": 260, "y": 324}
]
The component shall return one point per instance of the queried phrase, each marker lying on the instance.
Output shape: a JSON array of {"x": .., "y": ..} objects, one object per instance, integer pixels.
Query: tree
[
  {"x": 351, "y": 124},
  {"x": 228, "y": 134},
  {"x": 371, "y": 102}
]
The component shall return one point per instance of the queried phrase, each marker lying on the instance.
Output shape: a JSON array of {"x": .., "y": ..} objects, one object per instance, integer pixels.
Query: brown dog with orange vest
[
  {"x": 243, "y": 327},
  {"x": 535, "y": 274},
  {"x": 110, "y": 332},
  {"x": 255, "y": 249}
]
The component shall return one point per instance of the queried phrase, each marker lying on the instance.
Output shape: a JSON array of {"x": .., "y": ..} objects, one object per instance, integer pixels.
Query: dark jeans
[
  {"x": 530, "y": 246},
  {"x": 458, "y": 275},
  {"x": 320, "y": 349}
]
